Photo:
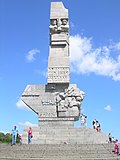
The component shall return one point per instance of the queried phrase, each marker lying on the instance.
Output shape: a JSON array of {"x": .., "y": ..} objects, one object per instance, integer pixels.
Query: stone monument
[{"x": 58, "y": 102}]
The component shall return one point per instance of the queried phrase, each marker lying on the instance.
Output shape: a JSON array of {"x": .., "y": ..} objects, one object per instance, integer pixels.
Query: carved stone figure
[
  {"x": 59, "y": 25},
  {"x": 68, "y": 101},
  {"x": 53, "y": 26}
]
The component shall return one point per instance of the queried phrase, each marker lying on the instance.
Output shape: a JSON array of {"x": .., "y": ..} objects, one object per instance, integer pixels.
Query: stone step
[{"x": 58, "y": 152}]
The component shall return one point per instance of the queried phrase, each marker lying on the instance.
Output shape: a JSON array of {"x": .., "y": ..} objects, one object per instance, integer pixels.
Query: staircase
[
  {"x": 65, "y": 134},
  {"x": 58, "y": 152}
]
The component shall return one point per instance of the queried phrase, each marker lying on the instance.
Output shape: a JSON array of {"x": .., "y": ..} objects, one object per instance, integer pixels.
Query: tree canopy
[{"x": 7, "y": 138}]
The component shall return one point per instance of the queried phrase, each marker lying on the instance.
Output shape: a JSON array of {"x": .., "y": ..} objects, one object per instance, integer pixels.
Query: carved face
[
  {"x": 64, "y": 21},
  {"x": 53, "y": 22}
]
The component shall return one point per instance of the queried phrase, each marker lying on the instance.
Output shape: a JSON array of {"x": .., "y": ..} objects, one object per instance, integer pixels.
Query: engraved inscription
[
  {"x": 58, "y": 74},
  {"x": 47, "y": 114},
  {"x": 48, "y": 102}
]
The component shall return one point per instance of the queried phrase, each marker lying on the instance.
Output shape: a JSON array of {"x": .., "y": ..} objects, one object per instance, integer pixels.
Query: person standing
[
  {"x": 94, "y": 124},
  {"x": 98, "y": 126},
  {"x": 14, "y": 135},
  {"x": 83, "y": 120},
  {"x": 30, "y": 135},
  {"x": 116, "y": 147},
  {"x": 109, "y": 138}
]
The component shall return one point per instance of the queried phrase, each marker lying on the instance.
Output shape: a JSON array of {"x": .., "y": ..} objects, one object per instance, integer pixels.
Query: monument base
[
  {"x": 64, "y": 134},
  {"x": 51, "y": 122}
]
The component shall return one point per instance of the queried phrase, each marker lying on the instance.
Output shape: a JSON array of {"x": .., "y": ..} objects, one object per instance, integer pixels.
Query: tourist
[
  {"x": 94, "y": 124},
  {"x": 83, "y": 120},
  {"x": 30, "y": 135},
  {"x": 109, "y": 138},
  {"x": 98, "y": 126},
  {"x": 20, "y": 138},
  {"x": 14, "y": 135},
  {"x": 116, "y": 147}
]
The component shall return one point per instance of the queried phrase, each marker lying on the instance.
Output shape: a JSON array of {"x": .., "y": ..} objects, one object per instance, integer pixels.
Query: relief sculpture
[
  {"x": 59, "y": 25},
  {"x": 70, "y": 100}
]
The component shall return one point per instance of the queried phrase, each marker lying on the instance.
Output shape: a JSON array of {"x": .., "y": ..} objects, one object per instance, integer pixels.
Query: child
[{"x": 20, "y": 138}]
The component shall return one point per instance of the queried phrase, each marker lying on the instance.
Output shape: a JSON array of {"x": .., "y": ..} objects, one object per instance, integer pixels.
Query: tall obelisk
[{"x": 58, "y": 62}]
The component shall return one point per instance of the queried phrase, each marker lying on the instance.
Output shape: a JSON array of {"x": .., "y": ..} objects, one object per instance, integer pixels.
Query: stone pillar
[{"x": 58, "y": 61}]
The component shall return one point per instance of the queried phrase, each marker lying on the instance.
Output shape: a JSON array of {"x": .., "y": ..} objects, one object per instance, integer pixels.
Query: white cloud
[
  {"x": 115, "y": 46},
  {"x": 86, "y": 59},
  {"x": 42, "y": 72},
  {"x": 31, "y": 55},
  {"x": 20, "y": 104},
  {"x": 5, "y": 132},
  {"x": 118, "y": 45},
  {"x": 108, "y": 108},
  {"x": 27, "y": 124}
]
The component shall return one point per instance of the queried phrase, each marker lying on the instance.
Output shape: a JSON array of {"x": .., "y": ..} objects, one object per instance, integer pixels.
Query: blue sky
[{"x": 94, "y": 57}]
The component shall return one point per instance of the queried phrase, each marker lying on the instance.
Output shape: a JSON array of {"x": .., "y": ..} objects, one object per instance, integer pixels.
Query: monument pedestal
[
  {"x": 65, "y": 134},
  {"x": 52, "y": 122}
]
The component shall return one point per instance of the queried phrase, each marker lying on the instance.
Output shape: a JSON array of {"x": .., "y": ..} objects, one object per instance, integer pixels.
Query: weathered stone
[
  {"x": 58, "y": 152},
  {"x": 58, "y": 62},
  {"x": 58, "y": 103},
  {"x": 57, "y": 99}
]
